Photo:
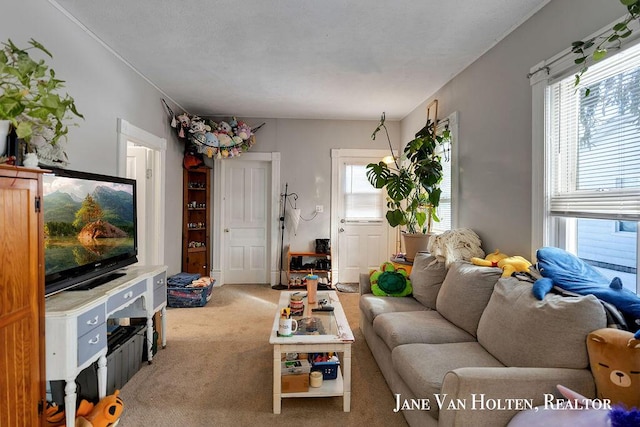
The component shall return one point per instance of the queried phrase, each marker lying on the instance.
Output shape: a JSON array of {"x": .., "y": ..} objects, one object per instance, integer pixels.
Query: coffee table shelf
[
  {"x": 337, "y": 338},
  {"x": 329, "y": 388}
]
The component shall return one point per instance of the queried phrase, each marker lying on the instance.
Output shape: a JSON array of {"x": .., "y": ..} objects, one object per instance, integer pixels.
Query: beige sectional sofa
[{"x": 469, "y": 348}]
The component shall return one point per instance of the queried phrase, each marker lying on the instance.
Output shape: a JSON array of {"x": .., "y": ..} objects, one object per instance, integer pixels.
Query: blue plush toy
[{"x": 566, "y": 271}]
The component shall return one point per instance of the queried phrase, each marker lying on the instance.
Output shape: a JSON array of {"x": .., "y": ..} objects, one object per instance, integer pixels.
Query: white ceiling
[{"x": 341, "y": 59}]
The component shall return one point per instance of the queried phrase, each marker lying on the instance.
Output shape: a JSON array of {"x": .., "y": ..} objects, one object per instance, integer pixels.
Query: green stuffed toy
[{"x": 390, "y": 282}]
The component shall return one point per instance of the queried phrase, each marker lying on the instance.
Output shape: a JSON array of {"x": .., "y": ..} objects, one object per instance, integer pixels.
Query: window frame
[
  {"x": 544, "y": 226},
  {"x": 452, "y": 122}
]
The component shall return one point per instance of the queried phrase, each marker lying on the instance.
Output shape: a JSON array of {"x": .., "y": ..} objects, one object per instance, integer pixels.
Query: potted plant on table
[
  {"x": 412, "y": 187},
  {"x": 30, "y": 101}
]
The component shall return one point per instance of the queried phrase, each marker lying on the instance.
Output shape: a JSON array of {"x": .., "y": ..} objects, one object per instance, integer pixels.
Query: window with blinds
[
  {"x": 594, "y": 141},
  {"x": 593, "y": 158},
  {"x": 444, "y": 210},
  {"x": 362, "y": 201}
]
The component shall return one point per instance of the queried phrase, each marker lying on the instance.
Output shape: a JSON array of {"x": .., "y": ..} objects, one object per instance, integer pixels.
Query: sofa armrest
[
  {"x": 515, "y": 389},
  {"x": 365, "y": 284}
]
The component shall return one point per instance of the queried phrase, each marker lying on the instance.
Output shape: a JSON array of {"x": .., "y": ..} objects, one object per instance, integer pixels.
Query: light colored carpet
[{"x": 217, "y": 370}]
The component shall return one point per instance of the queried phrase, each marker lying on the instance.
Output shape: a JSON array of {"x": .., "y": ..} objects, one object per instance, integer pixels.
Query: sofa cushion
[
  {"x": 371, "y": 305},
  {"x": 465, "y": 293},
  {"x": 422, "y": 367},
  {"x": 519, "y": 330},
  {"x": 427, "y": 327},
  {"x": 427, "y": 275}
]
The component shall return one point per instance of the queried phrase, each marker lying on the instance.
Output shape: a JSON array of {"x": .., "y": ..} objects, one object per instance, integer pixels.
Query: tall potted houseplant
[
  {"x": 412, "y": 184},
  {"x": 29, "y": 97}
]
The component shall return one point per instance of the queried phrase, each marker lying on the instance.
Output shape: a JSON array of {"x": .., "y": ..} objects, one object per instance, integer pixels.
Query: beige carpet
[{"x": 217, "y": 371}]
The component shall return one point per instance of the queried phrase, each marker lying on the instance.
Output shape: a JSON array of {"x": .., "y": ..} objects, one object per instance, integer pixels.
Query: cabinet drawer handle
[
  {"x": 128, "y": 295},
  {"x": 95, "y": 340},
  {"x": 93, "y": 322},
  {"x": 160, "y": 281}
]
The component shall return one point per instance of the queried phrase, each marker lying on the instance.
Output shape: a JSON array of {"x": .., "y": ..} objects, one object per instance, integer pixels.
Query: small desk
[{"x": 76, "y": 325}]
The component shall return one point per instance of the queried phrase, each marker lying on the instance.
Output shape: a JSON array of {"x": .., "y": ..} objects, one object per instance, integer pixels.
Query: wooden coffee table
[{"x": 334, "y": 335}]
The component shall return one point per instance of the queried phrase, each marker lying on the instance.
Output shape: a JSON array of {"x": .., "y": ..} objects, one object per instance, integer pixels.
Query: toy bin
[
  {"x": 329, "y": 369},
  {"x": 184, "y": 296}
]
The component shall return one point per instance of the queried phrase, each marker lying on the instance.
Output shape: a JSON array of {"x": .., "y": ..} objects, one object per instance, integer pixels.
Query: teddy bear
[
  {"x": 508, "y": 264},
  {"x": 614, "y": 357},
  {"x": 390, "y": 281}
]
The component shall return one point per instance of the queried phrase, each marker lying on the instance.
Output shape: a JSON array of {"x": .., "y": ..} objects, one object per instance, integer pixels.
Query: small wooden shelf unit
[{"x": 308, "y": 257}]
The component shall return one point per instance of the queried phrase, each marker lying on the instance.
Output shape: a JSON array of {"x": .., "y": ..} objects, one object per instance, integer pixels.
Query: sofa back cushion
[
  {"x": 519, "y": 330},
  {"x": 465, "y": 292},
  {"x": 427, "y": 275}
]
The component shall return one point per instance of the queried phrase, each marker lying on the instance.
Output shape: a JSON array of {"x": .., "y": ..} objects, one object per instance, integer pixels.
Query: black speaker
[{"x": 323, "y": 246}]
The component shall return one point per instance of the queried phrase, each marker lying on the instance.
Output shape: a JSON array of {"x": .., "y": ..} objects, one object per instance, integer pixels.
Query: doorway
[
  {"x": 358, "y": 224},
  {"x": 245, "y": 220},
  {"x": 141, "y": 156}
]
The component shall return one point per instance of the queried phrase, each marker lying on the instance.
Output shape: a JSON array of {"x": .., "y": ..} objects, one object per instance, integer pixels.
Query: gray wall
[
  {"x": 305, "y": 147},
  {"x": 493, "y": 98},
  {"x": 104, "y": 89}
]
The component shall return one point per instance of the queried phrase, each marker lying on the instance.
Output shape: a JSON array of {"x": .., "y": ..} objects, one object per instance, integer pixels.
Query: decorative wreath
[{"x": 223, "y": 139}]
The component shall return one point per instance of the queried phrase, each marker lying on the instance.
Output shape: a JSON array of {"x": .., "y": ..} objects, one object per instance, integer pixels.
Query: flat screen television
[{"x": 90, "y": 228}]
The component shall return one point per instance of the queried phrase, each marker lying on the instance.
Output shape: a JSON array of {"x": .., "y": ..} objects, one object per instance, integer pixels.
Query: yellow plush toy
[
  {"x": 614, "y": 356},
  {"x": 508, "y": 264},
  {"x": 105, "y": 413}
]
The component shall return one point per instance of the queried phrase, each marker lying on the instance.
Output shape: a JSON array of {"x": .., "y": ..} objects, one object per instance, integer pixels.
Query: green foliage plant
[
  {"x": 29, "y": 94},
  {"x": 413, "y": 186},
  {"x": 596, "y": 48}
]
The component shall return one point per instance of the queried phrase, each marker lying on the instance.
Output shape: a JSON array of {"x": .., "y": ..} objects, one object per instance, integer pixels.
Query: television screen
[{"x": 89, "y": 227}]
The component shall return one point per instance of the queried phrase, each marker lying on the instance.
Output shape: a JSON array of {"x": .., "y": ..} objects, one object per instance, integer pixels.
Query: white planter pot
[
  {"x": 5, "y": 126},
  {"x": 414, "y": 243}
]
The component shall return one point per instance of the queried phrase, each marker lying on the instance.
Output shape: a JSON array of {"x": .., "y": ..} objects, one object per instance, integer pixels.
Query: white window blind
[
  {"x": 444, "y": 210},
  {"x": 362, "y": 201},
  {"x": 594, "y": 141}
]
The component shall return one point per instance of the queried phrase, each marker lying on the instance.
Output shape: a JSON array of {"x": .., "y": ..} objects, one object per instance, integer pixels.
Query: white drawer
[
  {"x": 125, "y": 297},
  {"x": 91, "y": 343},
  {"x": 159, "y": 289},
  {"x": 89, "y": 320}
]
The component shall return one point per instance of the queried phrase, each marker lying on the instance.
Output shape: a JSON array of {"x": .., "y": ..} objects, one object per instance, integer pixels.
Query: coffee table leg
[
  {"x": 277, "y": 402},
  {"x": 347, "y": 378}
]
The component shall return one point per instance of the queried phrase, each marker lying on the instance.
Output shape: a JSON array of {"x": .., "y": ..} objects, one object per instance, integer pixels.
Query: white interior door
[
  {"x": 245, "y": 221},
  {"x": 137, "y": 169},
  {"x": 363, "y": 233}
]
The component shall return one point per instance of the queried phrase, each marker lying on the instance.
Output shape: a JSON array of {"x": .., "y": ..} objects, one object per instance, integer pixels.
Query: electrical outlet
[{"x": 319, "y": 208}]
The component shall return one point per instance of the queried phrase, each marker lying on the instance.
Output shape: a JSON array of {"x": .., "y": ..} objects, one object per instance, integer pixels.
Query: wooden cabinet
[
  {"x": 299, "y": 264},
  {"x": 196, "y": 220},
  {"x": 22, "y": 362}
]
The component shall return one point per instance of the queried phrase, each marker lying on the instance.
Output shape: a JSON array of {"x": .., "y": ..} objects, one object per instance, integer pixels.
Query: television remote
[{"x": 323, "y": 308}]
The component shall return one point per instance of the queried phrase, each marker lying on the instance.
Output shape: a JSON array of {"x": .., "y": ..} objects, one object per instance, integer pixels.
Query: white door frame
[
  {"x": 338, "y": 155},
  {"x": 273, "y": 206},
  {"x": 128, "y": 132}
]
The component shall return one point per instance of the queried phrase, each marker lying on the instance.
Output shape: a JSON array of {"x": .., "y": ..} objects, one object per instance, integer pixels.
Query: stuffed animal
[
  {"x": 508, "y": 264},
  {"x": 390, "y": 281},
  {"x": 566, "y": 271},
  {"x": 105, "y": 414},
  {"x": 455, "y": 245},
  {"x": 243, "y": 131},
  {"x": 614, "y": 356}
]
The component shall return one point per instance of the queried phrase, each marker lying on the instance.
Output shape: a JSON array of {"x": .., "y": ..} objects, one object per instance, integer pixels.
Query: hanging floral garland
[{"x": 222, "y": 140}]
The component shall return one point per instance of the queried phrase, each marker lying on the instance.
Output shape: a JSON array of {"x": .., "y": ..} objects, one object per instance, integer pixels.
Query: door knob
[
  {"x": 226, "y": 230},
  {"x": 341, "y": 230},
  {"x": 343, "y": 220}
]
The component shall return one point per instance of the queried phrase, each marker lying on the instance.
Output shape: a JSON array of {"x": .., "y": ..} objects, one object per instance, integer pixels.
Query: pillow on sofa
[
  {"x": 427, "y": 276},
  {"x": 465, "y": 293},
  {"x": 519, "y": 330}
]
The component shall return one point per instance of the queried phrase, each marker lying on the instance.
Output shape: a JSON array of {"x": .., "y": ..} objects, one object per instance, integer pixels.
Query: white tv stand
[{"x": 76, "y": 325}]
